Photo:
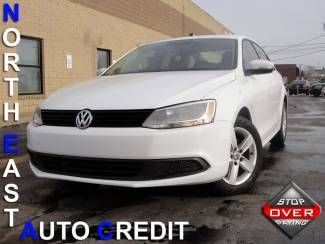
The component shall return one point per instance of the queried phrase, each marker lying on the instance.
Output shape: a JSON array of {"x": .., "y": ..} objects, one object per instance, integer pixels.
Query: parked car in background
[
  {"x": 318, "y": 88},
  {"x": 299, "y": 87},
  {"x": 312, "y": 82}
]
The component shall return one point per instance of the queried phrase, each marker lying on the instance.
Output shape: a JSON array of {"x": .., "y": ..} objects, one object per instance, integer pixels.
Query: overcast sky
[{"x": 275, "y": 22}]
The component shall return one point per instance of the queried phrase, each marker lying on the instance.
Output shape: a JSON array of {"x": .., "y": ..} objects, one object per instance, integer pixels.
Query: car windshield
[{"x": 179, "y": 55}]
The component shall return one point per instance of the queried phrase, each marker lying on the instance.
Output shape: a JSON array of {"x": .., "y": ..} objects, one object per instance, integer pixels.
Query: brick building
[
  {"x": 64, "y": 41},
  {"x": 289, "y": 72}
]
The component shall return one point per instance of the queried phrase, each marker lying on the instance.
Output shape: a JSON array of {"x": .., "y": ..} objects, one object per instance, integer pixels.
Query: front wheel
[{"x": 245, "y": 160}]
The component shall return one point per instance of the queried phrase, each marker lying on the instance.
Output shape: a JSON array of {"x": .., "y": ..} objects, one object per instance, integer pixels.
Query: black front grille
[
  {"x": 101, "y": 118},
  {"x": 117, "y": 169}
]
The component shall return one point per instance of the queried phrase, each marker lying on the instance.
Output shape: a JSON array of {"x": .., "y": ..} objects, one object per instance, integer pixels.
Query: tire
[
  {"x": 252, "y": 158},
  {"x": 279, "y": 139},
  {"x": 316, "y": 94}
]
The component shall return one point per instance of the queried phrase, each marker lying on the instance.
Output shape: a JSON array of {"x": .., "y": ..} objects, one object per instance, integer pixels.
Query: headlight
[
  {"x": 183, "y": 115},
  {"x": 37, "y": 119}
]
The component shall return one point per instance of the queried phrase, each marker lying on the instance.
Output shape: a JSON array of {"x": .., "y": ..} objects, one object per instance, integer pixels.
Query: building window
[
  {"x": 103, "y": 60},
  {"x": 30, "y": 65}
]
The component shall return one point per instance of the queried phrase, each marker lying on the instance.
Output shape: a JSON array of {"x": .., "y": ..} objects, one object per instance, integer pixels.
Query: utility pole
[{"x": 300, "y": 71}]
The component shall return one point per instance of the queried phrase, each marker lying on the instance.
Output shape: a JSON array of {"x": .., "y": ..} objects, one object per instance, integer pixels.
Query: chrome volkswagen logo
[{"x": 84, "y": 119}]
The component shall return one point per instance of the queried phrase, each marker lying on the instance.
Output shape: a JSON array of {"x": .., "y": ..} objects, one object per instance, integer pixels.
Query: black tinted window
[
  {"x": 249, "y": 53},
  {"x": 103, "y": 60}
]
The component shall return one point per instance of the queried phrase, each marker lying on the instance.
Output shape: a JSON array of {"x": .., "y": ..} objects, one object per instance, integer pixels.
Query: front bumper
[
  {"x": 118, "y": 169},
  {"x": 211, "y": 143}
]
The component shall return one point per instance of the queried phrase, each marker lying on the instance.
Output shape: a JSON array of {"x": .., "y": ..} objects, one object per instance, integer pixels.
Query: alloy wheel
[{"x": 243, "y": 157}]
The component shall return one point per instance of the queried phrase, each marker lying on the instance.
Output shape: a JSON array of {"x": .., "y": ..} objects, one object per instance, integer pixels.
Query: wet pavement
[{"x": 213, "y": 219}]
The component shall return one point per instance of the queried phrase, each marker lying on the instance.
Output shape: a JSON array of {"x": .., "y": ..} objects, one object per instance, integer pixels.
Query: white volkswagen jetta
[{"x": 177, "y": 112}]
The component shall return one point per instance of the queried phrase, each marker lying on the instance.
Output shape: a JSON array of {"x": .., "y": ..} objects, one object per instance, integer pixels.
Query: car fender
[
  {"x": 284, "y": 96},
  {"x": 230, "y": 101}
]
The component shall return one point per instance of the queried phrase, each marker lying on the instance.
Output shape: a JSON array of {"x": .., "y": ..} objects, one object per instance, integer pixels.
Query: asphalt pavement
[{"x": 213, "y": 219}]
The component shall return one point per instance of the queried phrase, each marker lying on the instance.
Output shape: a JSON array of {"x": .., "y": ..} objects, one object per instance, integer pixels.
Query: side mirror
[{"x": 258, "y": 66}]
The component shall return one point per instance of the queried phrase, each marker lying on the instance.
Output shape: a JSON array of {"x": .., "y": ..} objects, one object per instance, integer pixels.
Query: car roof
[{"x": 230, "y": 37}]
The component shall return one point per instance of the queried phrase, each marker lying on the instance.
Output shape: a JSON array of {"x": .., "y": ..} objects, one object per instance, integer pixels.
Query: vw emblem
[{"x": 84, "y": 119}]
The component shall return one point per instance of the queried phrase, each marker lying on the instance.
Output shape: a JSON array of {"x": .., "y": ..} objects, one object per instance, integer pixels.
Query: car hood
[{"x": 138, "y": 91}]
